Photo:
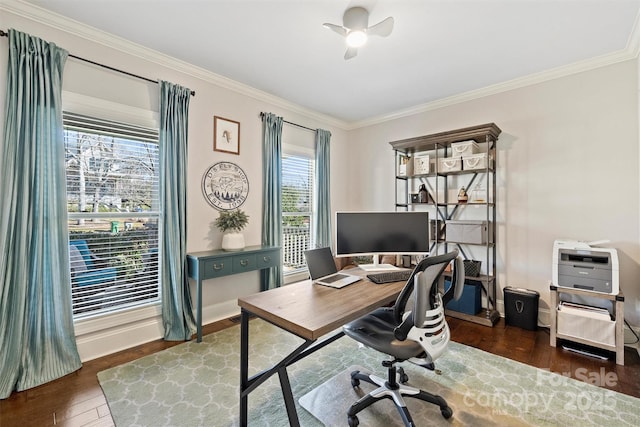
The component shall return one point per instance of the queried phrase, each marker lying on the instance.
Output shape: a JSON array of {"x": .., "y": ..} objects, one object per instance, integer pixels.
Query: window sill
[
  {"x": 105, "y": 321},
  {"x": 296, "y": 277}
]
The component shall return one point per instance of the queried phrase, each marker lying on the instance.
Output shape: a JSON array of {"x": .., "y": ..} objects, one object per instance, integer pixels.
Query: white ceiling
[{"x": 438, "y": 48}]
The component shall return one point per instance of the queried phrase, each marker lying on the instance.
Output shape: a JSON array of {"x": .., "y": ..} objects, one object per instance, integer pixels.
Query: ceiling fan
[{"x": 355, "y": 29}]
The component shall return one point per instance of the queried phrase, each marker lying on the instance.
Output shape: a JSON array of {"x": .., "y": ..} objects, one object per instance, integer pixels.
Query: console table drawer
[
  {"x": 242, "y": 263},
  {"x": 217, "y": 267},
  {"x": 218, "y": 263},
  {"x": 269, "y": 258}
]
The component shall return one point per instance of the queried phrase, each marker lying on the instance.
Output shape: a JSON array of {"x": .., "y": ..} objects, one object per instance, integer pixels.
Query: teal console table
[{"x": 218, "y": 263}]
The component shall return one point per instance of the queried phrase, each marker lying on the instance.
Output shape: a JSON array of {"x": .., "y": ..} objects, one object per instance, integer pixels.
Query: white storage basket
[
  {"x": 464, "y": 148},
  {"x": 450, "y": 164},
  {"x": 476, "y": 162},
  {"x": 586, "y": 323}
]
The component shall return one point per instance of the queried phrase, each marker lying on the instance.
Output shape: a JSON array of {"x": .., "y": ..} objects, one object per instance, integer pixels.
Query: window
[
  {"x": 297, "y": 209},
  {"x": 112, "y": 175}
]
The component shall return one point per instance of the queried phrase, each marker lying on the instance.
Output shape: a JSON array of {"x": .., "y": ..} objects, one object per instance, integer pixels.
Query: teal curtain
[
  {"x": 177, "y": 311},
  {"x": 37, "y": 340},
  {"x": 323, "y": 189},
  {"x": 271, "y": 194}
]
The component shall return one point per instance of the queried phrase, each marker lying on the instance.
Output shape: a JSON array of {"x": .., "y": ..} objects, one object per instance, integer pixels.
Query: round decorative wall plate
[{"x": 225, "y": 186}]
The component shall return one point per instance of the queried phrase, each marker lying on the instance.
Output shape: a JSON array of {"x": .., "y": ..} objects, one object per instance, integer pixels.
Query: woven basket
[{"x": 472, "y": 267}]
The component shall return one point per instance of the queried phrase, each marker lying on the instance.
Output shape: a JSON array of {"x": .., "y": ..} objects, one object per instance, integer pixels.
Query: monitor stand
[{"x": 376, "y": 266}]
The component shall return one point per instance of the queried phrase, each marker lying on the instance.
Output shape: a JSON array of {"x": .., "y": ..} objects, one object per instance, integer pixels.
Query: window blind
[
  {"x": 297, "y": 209},
  {"x": 112, "y": 175}
]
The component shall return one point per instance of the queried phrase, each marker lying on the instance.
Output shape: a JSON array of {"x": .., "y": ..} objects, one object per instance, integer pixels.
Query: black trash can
[{"x": 521, "y": 308}]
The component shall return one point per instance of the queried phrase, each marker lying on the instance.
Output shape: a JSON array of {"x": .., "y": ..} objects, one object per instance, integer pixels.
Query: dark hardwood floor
[{"x": 77, "y": 399}]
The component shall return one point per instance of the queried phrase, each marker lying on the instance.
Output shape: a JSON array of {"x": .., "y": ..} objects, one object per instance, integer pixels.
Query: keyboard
[{"x": 389, "y": 276}]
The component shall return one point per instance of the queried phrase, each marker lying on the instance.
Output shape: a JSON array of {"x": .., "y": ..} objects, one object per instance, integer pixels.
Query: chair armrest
[{"x": 401, "y": 331}]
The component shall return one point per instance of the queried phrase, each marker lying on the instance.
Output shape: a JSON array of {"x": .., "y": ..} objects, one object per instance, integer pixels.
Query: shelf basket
[{"x": 472, "y": 267}]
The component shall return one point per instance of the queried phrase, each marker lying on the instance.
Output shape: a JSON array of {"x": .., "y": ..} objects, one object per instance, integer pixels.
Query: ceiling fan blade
[
  {"x": 350, "y": 53},
  {"x": 382, "y": 28},
  {"x": 337, "y": 28}
]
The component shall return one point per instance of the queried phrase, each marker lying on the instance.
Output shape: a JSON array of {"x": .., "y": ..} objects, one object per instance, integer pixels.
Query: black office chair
[{"x": 418, "y": 333}]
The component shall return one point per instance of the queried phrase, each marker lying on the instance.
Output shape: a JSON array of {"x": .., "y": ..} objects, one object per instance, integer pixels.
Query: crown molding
[
  {"x": 631, "y": 51},
  {"x": 45, "y": 17},
  {"x": 626, "y": 54},
  {"x": 633, "y": 43},
  {"x": 59, "y": 22}
]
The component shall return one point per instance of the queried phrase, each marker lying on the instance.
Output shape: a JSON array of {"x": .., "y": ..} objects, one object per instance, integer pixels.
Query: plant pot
[{"x": 232, "y": 241}]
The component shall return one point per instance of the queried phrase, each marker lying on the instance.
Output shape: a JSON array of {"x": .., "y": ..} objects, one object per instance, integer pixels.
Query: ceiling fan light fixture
[
  {"x": 356, "y": 38},
  {"x": 356, "y": 30}
]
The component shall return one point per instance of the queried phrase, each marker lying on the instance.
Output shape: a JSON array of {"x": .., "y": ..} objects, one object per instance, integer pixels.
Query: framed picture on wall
[{"x": 226, "y": 135}]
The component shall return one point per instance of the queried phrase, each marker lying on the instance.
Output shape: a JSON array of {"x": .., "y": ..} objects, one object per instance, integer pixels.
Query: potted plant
[{"x": 231, "y": 223}]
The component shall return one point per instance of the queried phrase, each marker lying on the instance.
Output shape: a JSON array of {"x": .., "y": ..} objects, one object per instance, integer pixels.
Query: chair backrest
[
  {"x": 425, "y": 323},
  {"x": 434, "y": 266}
]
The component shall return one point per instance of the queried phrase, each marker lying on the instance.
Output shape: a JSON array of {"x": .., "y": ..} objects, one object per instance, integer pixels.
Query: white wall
[
  {"x": 567, "y": 168},
  {"x": 220, "y": 295}
]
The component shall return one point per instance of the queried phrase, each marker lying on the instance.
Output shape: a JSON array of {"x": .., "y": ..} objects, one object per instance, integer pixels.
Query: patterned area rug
[{"x": 196, "y": 384}]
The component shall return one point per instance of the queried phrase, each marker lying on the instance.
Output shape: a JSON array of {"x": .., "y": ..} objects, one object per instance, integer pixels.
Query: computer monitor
[{"x": 381, "y": 233}]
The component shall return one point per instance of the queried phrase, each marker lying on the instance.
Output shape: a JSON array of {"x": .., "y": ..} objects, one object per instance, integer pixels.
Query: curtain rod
[
  {"x": 291, "y": 123},
  {"x": 193, "y": 93}
]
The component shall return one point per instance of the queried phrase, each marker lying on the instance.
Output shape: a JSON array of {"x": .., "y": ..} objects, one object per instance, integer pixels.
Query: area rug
[
  {"x": 338, "y": 395},
  {"x": 196, "y": 384}
]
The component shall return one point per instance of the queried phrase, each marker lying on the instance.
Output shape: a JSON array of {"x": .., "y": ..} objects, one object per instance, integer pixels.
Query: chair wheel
[
  {"x": 353, "y": 421},
  {"x": 446, "y": 412},
  {"x": 403, "y": 378},
  {"x": 355, "y": 382}
]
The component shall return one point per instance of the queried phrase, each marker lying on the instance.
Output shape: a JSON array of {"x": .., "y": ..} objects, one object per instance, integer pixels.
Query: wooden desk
[
  {"x": 308, "y": 311},
  {"x": 211, "y": 264}
]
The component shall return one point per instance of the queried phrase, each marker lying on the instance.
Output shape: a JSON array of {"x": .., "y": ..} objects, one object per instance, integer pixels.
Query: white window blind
[
  {"x": 297, "y": 209},
  {"x": 112, "y": 175}
]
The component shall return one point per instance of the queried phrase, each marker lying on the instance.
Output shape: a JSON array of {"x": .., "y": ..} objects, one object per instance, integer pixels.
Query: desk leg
[
  {"x": 247, "y": 385},
  {"x": 289, "y": 403},
  {"x": 199, "y": 315},
  {"x": 244, "y": 366}
]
